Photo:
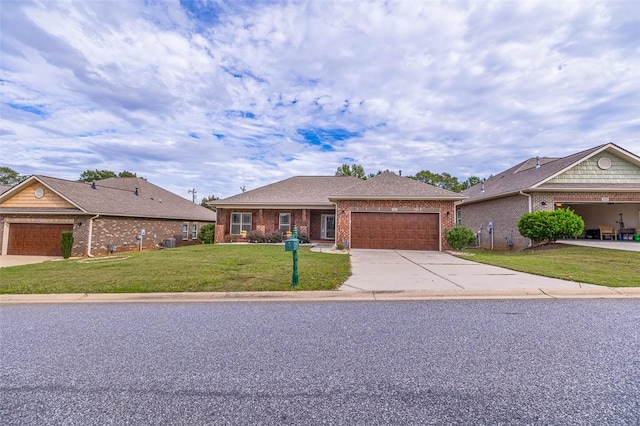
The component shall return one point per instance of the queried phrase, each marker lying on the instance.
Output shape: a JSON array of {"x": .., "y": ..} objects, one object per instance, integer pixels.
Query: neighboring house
[
  {"x": 5, "y": 188},
  {"x": 601, "y": 184},
  {"x": 386, "y": 211},
  {"x": 105, "y": 215}
]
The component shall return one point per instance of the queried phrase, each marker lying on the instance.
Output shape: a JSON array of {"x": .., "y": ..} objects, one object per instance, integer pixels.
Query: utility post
[{"x": 194, "y": 192}]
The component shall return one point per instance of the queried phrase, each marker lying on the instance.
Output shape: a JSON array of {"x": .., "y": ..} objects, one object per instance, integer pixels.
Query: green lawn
[
  {"x": 195, "y": 268},
  {"x": 613, "y": 268}
]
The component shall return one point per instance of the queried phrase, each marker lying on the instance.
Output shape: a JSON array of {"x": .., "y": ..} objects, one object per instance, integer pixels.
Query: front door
[{"x": 328, "y": 227}]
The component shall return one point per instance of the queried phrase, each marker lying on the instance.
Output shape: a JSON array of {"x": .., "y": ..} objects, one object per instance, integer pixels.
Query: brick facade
[
  {"x": 122, "y": 233},
  {"x": 445, "y": 209},
  {"x": 505, "y": 213},
  {"x": 116, "y": 231},
  {"x": 267, "y": 221}
]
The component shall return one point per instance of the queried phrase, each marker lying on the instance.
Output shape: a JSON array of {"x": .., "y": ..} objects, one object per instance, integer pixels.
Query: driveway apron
[{"x": 409, "y": 270}]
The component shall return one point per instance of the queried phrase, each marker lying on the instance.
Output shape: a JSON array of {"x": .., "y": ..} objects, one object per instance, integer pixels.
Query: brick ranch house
[
  {"x": 103, "y": 215},
  {"x": 385, "y": 212},
  {"x": 601, "y": 184}
]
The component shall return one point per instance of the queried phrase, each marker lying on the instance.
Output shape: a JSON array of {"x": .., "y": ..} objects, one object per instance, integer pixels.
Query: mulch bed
[{"x": 547, "y": 246}]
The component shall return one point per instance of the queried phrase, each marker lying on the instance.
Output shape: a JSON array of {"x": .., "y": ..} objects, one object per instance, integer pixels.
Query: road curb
[{"x": 300, "y": 296}]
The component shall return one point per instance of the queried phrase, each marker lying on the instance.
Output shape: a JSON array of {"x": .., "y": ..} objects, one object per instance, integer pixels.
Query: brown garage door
[
  {"x": 399, "y": 231},
  {"x": 36, "y": 239}
]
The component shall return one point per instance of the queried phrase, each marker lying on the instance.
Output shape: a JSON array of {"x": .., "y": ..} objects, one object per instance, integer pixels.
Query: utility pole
[{"x": 193, "y": 191}]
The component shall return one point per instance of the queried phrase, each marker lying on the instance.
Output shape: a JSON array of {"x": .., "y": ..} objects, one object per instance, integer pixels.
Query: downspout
[
  {"x": 530, "y": 209},
  {"x": 335, "y": 233},
  {"x": 90, "y": 235}
]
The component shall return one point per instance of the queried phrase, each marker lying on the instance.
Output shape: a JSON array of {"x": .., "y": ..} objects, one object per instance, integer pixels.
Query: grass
[
  {"x": 613, "y": 268},
  {"x": 186, "y": 269}
]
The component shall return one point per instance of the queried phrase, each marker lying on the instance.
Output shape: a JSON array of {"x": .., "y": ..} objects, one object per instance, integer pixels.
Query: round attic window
[
  {"x": 604, "y": 163},
  {"x": 39, "y": 193}
]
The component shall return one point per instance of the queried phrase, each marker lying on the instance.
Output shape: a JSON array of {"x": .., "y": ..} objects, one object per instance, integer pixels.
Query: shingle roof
[
  {"x": 4, "y": 188},
  {"x": 525, "y": 176},
  {"x": 294, "y": 191},
  {"x": 389, "y": 186},
  {"x": 117, "y": 197}
]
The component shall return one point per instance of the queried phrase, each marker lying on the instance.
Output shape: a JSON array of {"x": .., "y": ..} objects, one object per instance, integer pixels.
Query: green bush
[
  {"x": 340, "y": 246},
  {"x": 459, "y": 237},
  {"x": 548, "y": 227},
  {"x": 67, "y": 244},
  {"x": 304, "y": 238},
  {"x": 255, "y": 236},
  {"x": 275, "y": 237},
  {"x": 206, "y": 233}
]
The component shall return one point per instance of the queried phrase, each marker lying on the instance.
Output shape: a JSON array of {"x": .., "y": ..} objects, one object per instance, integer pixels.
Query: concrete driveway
[
  {"x": 428, "y": 271},
  {"x": 13, "y": 260}
]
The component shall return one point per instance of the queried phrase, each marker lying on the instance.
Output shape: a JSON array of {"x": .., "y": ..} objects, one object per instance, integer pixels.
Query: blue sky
[{"x": 217, "y": 95}]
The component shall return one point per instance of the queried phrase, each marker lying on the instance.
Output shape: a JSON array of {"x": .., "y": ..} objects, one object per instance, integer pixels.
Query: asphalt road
[{"x": 494, "y": 362}]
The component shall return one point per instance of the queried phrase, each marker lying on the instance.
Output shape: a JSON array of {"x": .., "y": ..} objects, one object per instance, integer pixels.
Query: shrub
[
  {"x": 67, "y": 244},
  {"x": 304, "y": 238},
  {"x": 459, "y": 237},
  {"x": 255, "y": 236},
  {"x": 275, "y": 237},
  {"x": 206, "y": 233},
  {"x": 548, "y": 227},
  {"x": 340, "y": 246}
]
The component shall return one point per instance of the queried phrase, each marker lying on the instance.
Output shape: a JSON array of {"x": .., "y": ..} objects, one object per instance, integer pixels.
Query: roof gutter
[{"x": 90, "y": 235}]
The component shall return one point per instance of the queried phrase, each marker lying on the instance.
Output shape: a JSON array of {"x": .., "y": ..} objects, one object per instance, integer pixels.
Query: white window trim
[
  {"x": 280, "y": 224},
  {"x": 185, "y": 231},
  {"x": 323, "y": 227},
  {"x": 242, "y": 224},
  {"x": 194, "y": 231}
]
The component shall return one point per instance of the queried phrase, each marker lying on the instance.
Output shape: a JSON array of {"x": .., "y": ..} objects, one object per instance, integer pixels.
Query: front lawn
[
  {"x": 613, "y": 268},
  {"x": 186, "y": 269}
]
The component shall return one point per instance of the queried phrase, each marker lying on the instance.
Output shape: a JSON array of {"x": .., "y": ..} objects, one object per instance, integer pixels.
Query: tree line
[{"x": 441, "y": 180}]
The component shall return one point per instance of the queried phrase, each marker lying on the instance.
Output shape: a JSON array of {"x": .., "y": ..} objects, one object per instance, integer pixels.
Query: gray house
[
  {"x": 601, "y": 184},
  {"x": 104, "y": 215}
]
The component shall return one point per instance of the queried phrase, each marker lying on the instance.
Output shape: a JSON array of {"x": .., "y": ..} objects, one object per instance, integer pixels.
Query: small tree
[
  {"x": 206, "y": 233},
  {"x": 67, "y": 244},
  {"x": 459, "y": 237},
  {"x": 548, "y": 227}
]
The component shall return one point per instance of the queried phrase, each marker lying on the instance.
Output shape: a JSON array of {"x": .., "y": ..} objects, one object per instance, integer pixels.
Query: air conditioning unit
[{"x": 169, "y": 243}]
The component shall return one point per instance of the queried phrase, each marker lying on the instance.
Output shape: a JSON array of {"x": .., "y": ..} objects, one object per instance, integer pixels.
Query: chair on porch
[{"x": 607, "y": 231}]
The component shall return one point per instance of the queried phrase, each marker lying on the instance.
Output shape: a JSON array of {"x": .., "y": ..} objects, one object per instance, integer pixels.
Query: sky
[{"x": 218, "y": 95}]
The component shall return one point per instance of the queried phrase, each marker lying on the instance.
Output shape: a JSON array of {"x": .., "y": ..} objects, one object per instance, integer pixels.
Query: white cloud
[{"x": 219, "y": 95}]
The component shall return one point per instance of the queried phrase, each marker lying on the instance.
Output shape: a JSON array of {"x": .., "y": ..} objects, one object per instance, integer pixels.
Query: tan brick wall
[
  {"x": 121, "y": 232},
  {"x": 504, "y": 213},
  {"x": 343, "y": 225}
]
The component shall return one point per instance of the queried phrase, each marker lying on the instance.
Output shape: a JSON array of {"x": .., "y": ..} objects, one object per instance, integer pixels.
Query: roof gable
[
  {"x": 294, "y": 191},
  {"x": 605, "y": 167},
  {"x": 133, "y": 197},
  {"x": 389, "y": 186},
  {"x": 523, "y": 177},
  {"x": 36, "y": 195}
]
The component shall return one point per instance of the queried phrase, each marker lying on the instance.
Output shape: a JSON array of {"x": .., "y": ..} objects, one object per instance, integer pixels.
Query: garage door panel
[
  {"x": 403, "y": 231},
  {"x": 36, "y": 239}
]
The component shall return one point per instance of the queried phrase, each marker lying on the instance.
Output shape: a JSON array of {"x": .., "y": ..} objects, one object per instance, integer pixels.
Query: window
[
  {"x": 458, "y": 217},
  {"x": 285, "y": 222},
  {"x": 194, "y": 231},
  {"x": 240, "y": 222},
  {"x": 185, "y": 231}
]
